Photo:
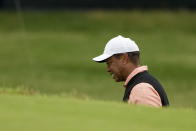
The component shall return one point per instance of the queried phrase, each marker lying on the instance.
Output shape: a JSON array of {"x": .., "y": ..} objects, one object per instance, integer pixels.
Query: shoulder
[{"x": 144, "y": 88}]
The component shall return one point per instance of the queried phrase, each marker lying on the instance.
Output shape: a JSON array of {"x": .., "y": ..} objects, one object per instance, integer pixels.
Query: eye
[{"x": 109, "y": 63}]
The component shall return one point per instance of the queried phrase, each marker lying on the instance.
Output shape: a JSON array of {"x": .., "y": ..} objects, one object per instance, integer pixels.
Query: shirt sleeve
[{"x": 144, "y": 94}]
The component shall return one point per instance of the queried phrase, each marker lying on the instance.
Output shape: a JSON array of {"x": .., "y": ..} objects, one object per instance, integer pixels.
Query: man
[{"x": 122, "y": 58}]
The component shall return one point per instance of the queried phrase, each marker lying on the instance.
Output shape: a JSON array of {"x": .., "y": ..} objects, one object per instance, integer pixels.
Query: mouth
[{"x": 113, "y": 76}]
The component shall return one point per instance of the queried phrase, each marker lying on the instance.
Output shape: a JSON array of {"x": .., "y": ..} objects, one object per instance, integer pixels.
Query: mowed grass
[
  {"x": 50, "y": 52},
  {"x": 22, "y": 113}
]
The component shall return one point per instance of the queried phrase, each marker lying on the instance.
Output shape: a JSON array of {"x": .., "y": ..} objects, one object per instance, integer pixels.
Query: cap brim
[{"x": 101, "y": 58}]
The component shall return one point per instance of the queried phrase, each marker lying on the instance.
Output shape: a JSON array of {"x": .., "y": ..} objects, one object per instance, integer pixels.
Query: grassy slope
[
  {"x": 21, "y": 113},
  {"x": 56, "y": 48}
]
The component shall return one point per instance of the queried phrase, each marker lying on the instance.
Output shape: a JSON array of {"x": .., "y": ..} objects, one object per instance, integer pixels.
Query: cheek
[
  {"x": 116, "y": 69},
  {"x": 119, "y": 71}
]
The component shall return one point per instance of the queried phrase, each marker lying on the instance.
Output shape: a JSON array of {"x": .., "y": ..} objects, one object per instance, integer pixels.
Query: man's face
[{"x": 114, "y": 67}]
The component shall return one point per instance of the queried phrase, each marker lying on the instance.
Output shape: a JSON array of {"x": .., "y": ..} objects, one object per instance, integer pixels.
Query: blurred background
[{"x": 46, "y": 46}]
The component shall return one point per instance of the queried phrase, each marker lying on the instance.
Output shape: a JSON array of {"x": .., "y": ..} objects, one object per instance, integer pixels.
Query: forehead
[{"x": 111, "y": 59}]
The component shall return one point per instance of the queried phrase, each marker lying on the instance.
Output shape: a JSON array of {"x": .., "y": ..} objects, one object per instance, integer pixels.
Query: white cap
[{"x": 117, "y": 45}]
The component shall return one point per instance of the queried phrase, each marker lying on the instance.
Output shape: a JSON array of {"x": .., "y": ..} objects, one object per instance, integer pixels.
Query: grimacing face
[{"x": 114, "y": 67}]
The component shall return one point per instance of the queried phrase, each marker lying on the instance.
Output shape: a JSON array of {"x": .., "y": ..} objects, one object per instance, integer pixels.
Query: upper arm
[{"x": 145, "y": 94}]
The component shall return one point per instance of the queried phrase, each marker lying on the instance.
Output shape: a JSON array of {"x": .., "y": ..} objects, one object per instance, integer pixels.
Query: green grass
[
  {"x": 51, "y": 53},
  {"x": 54, "y": 113}
]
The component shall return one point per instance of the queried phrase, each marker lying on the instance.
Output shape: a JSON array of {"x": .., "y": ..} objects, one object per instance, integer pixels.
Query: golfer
[{"x": 122, "y": 58}]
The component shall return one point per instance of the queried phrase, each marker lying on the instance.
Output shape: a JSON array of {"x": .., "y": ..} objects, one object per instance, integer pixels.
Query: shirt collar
[{"x": 134, "y": 72}]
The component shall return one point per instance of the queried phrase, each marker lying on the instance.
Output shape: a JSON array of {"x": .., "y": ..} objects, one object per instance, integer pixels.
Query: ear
[{"x": 124, "y": 58}]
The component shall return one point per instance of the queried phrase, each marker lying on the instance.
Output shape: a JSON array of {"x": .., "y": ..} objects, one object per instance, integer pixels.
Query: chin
[{"x": 118, "y": 80}]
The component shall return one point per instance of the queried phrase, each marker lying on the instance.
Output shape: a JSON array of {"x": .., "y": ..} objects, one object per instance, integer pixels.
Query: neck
[{"x": 129, "y": 70}]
